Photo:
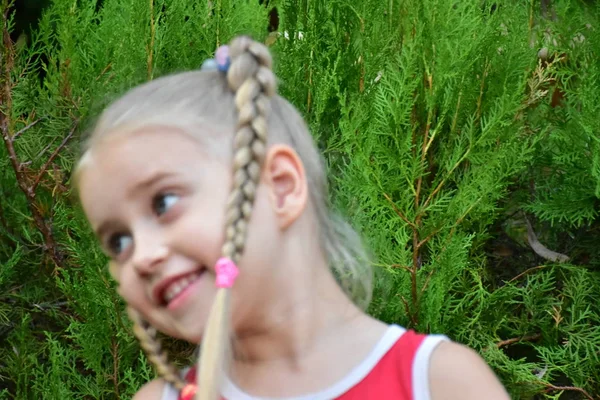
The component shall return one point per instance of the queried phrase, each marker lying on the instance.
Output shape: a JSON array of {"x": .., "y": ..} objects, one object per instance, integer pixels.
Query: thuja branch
[
  {"x": 527, "y": 272},
  {"x": 411, "y": 315},
  {"x": 115, "y": 373},
  {"x": 508, "y": 342},
  {"x": 520, "y": 339},
  {"x": 455, "y": 118},
  {"x": 4, "y": 227},
  {"x": 25, "y": 129},
  {"x": 25, "y": 183},
  {"x": 486, "y": 70},
  {"x": 415, "y": 226},
  {"x": 553, "y": 388},
  {"x": 151, "y": 44},
  {"x": 398, "y": 212},
  {"x": 418, "y": 219},
  {"x": 444, "y": 180},
  {"x": 54, "y": 154},
  {"x": 309, "y": 71},
  {"x": 456, "y": 224}
]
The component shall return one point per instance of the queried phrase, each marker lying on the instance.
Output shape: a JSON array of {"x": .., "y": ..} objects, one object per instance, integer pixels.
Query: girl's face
[{"x": 156, "y": 201}]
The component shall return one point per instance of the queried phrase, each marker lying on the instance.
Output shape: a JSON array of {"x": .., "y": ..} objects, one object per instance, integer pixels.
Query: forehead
[
  {"x": 114, "y": 167},
  {"x": 140, "y": 153}
]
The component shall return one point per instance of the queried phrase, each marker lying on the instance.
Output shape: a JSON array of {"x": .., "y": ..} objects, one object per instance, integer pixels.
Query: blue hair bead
[{"x": 210, "y": 65}]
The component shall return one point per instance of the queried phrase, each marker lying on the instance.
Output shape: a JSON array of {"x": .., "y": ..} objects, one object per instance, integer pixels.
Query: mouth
[{"x": 173, "y": 287}]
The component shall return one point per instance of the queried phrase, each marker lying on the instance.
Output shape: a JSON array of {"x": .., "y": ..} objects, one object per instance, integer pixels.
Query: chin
[
  {"x": 189, "y": 330},
  {"x": 187, "y": 333},
  {"x": 193, "y": 336}
]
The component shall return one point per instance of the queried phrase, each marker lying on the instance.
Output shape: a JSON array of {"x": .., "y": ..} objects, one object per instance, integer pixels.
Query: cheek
[
  {"x": 263, "y": 241},
  {"x": 200, "y": 231},
  {"x": 131, "y": 289},
  {"x": 261, "y": 256},
  {"x": 200, "y": 237}
]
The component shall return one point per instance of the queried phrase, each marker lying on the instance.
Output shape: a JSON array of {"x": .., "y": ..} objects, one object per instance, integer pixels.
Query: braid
[
  {"x": 251, "y": 79},
  {"x": 146, "y": 334}
]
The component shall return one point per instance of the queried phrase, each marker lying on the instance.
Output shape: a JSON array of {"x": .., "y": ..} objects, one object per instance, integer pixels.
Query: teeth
[{"x": 178, "y": 286}]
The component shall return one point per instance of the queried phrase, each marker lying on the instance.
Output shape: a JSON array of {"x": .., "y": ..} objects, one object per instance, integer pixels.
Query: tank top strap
[
  {"x": 406, "y": 349},
  {"x": 413, "y": 354},
  {"x": 397, "y": 368},
  {"x": 169, "y": 392}
]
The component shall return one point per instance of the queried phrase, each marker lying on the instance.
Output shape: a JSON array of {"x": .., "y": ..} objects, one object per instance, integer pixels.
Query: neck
[
  {"x": 310, "y": 309},
  {"x": 289, "y": 331}
]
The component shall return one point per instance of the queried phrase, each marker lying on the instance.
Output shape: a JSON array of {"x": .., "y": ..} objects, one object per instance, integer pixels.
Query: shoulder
[
  {"x": 458, "y": 372},
  {"x": 152, "y": 390}
]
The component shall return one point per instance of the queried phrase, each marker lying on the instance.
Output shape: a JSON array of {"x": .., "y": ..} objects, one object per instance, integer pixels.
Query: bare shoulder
[
  {"x": 151, "y": 390},
  {"x": 458, "y": 372}
]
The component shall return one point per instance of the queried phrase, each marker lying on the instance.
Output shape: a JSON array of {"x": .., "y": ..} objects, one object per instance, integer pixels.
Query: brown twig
[
  {"x": 508, "y": 342},
  {"x": 526, "y": 272},
  {"x": 8, "y": 137},
  {"x": 404, "y": 267},
  {"x": 456, "y": 224},
  {"x": 49, "y": 244},
  {"x": 361, "y": 60},
  {"x": 41, "y": 153},
  {"x": 410, "y": 314},
  {"x": 429, "y": 237},
  {"x": 116, "y": 303},
  {"x": 151, "y": 44},
  {"x": 423, "y": 155},
  {"x": 443, "y": 182},
  {"x": 23, "y": 71},
  {"x": 216, "y": 12},
  {"x": 531, "y": 8},
  {"x": 50, "y": 159},
  {"x": 453, "y": 229},
  {"x": 18, "y": 133},
  {"x": 398, "y": 212},
  {"x": 5, "y": 97},
  {"x": 417, "y": 224},
  {"x": 7, "y": 57},
  {"x": 481, "y": 89},
  {"x": 424, "y": 145},
  {"x": 528, "y": 338},
  {"x": 455, "y": 118},
  {"x": 104, "y": 71},
  {"x": 310, "y": 84},
  {"x": 413, "y": 275},
  {"x": 3, "y": 221},
  {"x": 427, "y": 281},
  {"x": 115, "y": 374},
  {"x": 552, "y": 388}
]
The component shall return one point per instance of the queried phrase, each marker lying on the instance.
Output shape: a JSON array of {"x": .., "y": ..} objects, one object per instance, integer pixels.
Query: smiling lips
[{"x": 173, "y": 287}]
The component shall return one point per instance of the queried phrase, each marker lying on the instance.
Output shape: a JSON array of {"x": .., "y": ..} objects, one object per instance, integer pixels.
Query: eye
[
  {"x": 118, "y": 243},
  {"x": 163, "y": 202}
]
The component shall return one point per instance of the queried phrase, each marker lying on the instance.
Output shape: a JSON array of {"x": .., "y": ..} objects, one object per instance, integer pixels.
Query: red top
[{"x": 391, "y": 378}]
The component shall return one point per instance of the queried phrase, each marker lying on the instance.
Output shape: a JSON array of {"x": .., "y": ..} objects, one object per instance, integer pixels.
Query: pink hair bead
[{"x": 226, "y": 271}]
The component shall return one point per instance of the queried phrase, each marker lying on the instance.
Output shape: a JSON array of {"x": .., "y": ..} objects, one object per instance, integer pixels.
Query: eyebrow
[
  {"x": 149, "y": 181},
  {"x": 143, "y": 184}
]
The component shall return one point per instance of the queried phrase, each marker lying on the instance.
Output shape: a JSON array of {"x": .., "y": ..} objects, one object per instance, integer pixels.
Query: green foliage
[{"x": 444, "y": 132}]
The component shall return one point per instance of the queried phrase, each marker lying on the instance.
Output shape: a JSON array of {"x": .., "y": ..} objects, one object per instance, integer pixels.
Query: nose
[{"x": 150, "y": 252}]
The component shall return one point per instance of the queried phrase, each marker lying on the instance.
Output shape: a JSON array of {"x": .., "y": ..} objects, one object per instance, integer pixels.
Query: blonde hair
[{"x": 243, "y": 101}]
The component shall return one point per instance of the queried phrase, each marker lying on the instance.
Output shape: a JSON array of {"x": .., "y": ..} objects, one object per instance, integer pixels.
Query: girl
[{"x": 209, "y": 196}]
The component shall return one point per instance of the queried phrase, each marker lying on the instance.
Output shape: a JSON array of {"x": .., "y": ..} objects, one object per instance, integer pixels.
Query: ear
[{"x": 285, "y": 178}]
